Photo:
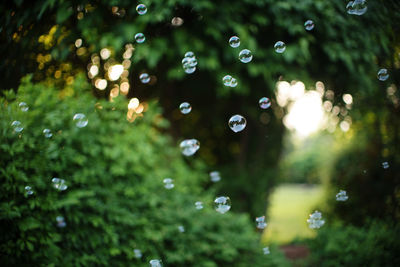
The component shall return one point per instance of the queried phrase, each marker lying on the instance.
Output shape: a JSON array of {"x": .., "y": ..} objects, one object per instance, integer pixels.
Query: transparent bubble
[
  {"x": 199, "y": 205},
  {"x": 59, "y": 184},
  {"x": 155, "y": 263},
  {"x": 264, "y": 102},
  {"x": 237, "y": 123},
  {"x": 222, "y": 204},
  {"x": 29, "y": 191},
  {"x": 141, "y": 9},
  {"x": 341, "y": 196},
  {"x": 315, "y": 221},
  {"x": 17, "y": 126},
  {"x": 266, "y": 251},
  {"x": 234, "y": 41},
  {"x": 260, "y": 222},
  {"x": 357, "y": 7},
  {"x": 181, "y": 228},
  {"x": 23, "y": 106},
  {"x": 168, "y": 183},
  {"x": 280, "y": 47},
  {"x": 215, "y": 176},
  {"x": 185, "y": 108},
  {"x": 140, "y": 38},
  {"x": 227, "y": 79},
  {"x": 47, "y": 133},
  {"x": 383, "y": 74},
  {"x": 385, "y": 165},
  {"x": 245, "y": 56},
  {"x": 309, "y": 25},
  {"x": 189, "y": 62},
  {"x": 137, "y": 253},
  {"x": 234, "y": 82},
  {"x": 190, "y": 70},
  {"x": 61, "y": 222},
  {"x": 80, "y": 120},
  {"x": 189, "y": 54},
  {"x": 144, "y": 78},
  {"x": 189, "y": 146}
]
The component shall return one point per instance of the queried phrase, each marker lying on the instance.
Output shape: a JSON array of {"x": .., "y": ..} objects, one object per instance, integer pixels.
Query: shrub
[{"x": 115, "y": 200}]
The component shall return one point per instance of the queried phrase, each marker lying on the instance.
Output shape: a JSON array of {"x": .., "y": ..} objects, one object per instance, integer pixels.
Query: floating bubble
[
  {"x": 234, "y": 82},
  {"x": 264, "y": 102},
  {"x": 80, "y": 120},
  {"x": 234, "y": 41},
  {"x": 29, "y": 191},
  {"x": 168, "y": 183},
  {"x": 61, "y": 222},
  {"x": 137, "y": 253},
  {"x": 222, "y": 204},
  {"x": 237, "y": 123},
  {"x": 155, "y": 263},
  {"x": 189, "y": 62},
  {"x": 245, "y": 56},
  {"x": 141, "y": 9},
  {"x": 383, "y": 75},
  {"x": 59, "y": 184},
  {"x": 266, "y": 251},
  {"x": 189, "y": 54},
  {"x": 260, "y": 222},
  {"x": 47, "y": 133},
  {"x": 181, "y": 228},
  {"x": 185, "y": 108},
  {"x": 189, "y": 146},
  {"x": 315, "y": 221},
  {"x": 309, "y": 25},
  {"x": 280, "y": 47},
  {"x": 342, "y": 196},
  {"x": 357, "y": 7},
  {"x": 227, "y": 79},
  {"x": 215, "y": 176},
  {"x": 385, "y": 165},
  {"x": 23, "y": 106},
  {"x": 190, "y": 70},
  {"x": 144, "y": 78},
  {"x": 199, "y": 205},
  {"x": 140, "y": 38},
  {"x": 17, "y": 126},
  {"x": 177, "y": 21}
]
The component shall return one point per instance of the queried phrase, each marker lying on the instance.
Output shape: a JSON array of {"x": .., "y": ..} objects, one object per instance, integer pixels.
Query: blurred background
[{"x": 333, "y": 124}]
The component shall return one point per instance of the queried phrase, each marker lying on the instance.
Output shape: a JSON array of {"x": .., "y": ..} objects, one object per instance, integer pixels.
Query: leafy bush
[
  {"x": 376, "y": 244},
  {"x": 115, "y": 201}
]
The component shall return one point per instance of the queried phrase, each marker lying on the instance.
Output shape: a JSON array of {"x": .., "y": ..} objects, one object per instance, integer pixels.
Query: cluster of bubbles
[
  {"x": 234, "y": 41},
  {"x": 60, "y": 222},
  {"x": 144, "y": 78},
  {"x": 357, "y": 7},
  {"x": 215, "y": 176},
  {"x": 342, "y": 196},
  {"x": 23, "y": 106},
  {"x": 280, "y": 47},
  {"x": 29, "y": 191},
  {"x": 266, "y": 251},
  {"x": 264, "y": 102},
  {"x": 237, "y": 123},
  {"x": 198, "y": 205},
  {"x": 228, "y": 80},
  {"x": 383, "y": 75},
  {"x": 17, "y": 126},
  {"x": 189, "y": 62},
  {"x": 309, "y": 25},
  {"x": 315, "y": 221},
  {"x": 181, "y": 228},
  {"x": 168, "y": 183},
  {"x": 222, "y": 204},
  {"x": 155, "y": 263},
  {"x": 47, "y": 133},
  {"x": 59, "y": 184},
  {"x": 189, "y": 146},
  {"x": 245, "y": 56},
  {"x": 385, "y": 165},
  {"x": 185, "y": 108},
  {"x": 141, "y": 9},
  {"x": 137, "y": 253},
  {"x": 260, "y": 222},
  {"x": 140, "y": 38},
  {"x": 80, "y": 120}
]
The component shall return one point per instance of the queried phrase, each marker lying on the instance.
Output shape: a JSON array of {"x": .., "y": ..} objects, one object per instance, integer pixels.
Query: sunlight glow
[{"x": 115, "y": 71}]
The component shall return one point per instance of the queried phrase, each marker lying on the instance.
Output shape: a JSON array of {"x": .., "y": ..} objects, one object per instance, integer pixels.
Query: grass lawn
[{"x": 289, "y": 209}]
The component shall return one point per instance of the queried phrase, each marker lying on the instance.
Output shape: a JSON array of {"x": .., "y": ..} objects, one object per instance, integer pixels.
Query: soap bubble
[
  {"x": 144, "y": 78},
  {"x": 17, "y": 126},
  {"x": 341, "y": 196},
  {"x": 59, "y": 184},
  {"x": 227, "y": 79},
  {"x": 141, "y": 9},
  {"x": 222, "y": 204},
  {"x": 309, "y": 25},
  {"x": 234, "y": 41},
  {"x": 189, "y": 146},
  {"x": 266, "y": 251},
  {"x": 245, "y": 56},
  {"x": 315, "y": 221},
  {"x": 47, "y": 133},
  {"x": 357, "y": 7},
  {"x": 140, "y": 38},
  {"x": 190, "y": 70},
  {"x": 185, "y": 108},
  {"x": 383, "y": 74},
  {"x": 29, "y": 190},
  {"x": 137, "y": 253},
  {"x": 155, "y": 263},
  {"x": 264, "y": 102},
  {"x": 189, "y": 54},
  {"x": 199, "y": 205},
  {"x": 234, "y": 82},
  {"x": 168, "y": 183},
  {"x": 260, "y": 222},
  {"x": 280, "y": 47},
  {"x": 61, "y": 222},
  {"x": 181, "y": 228},
  {"x": 23, "y": 106},
  {"x": 237, "y": 123},
  {"x": 80, "y": 120},
  {"x": 189, "y": 62},
  {"x": 385, "y": 165},
  {"x": 215, "y": 176}
]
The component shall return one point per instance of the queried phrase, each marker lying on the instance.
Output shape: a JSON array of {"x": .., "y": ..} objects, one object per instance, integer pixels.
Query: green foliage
[
  {"x": 115, "y": 201},
  {"x": 375, "y": 244}
]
